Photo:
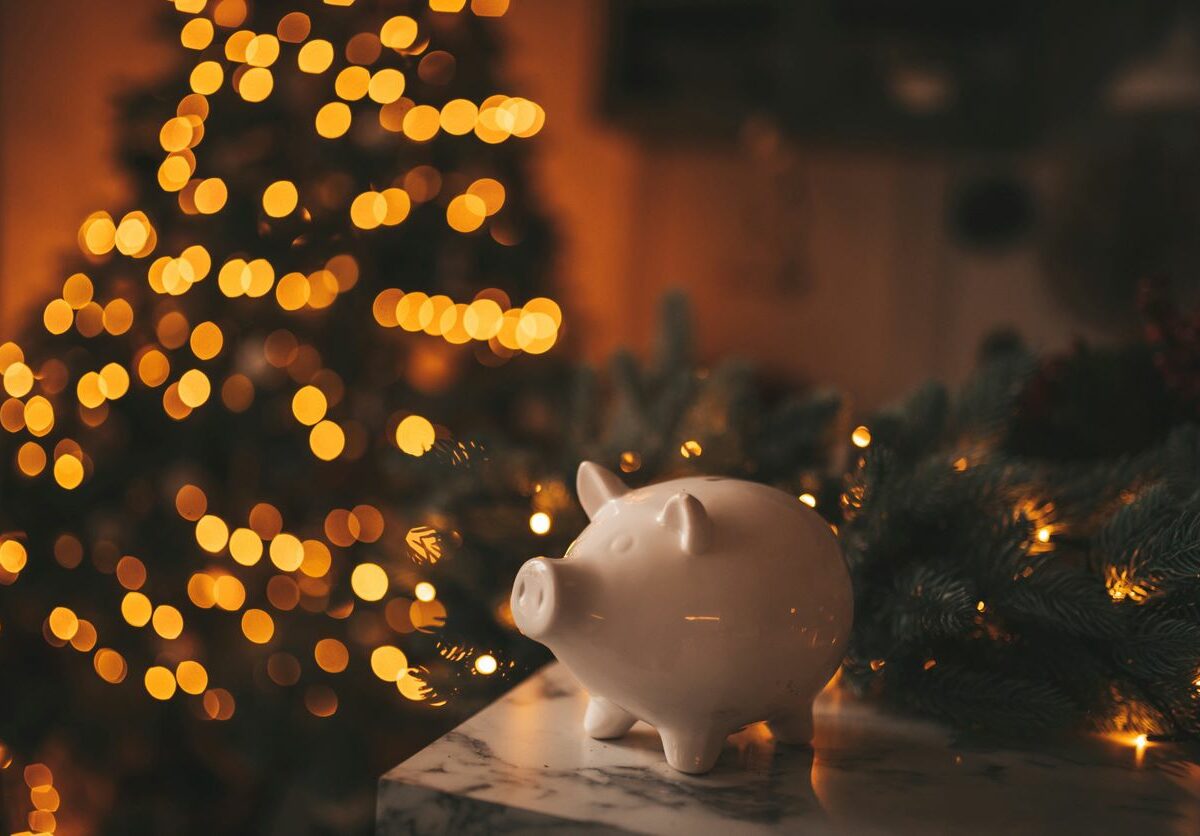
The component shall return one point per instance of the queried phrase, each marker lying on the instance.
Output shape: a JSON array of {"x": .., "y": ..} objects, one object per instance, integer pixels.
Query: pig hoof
[
  {"x": 605, "y": 720},
  {"x": 794, "y": 728},
  {"x": 692, "y": 752}
]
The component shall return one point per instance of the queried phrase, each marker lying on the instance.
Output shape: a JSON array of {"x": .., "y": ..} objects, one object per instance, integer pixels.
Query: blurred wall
[
  {"x": 60, "y": 63},
  {"x": 819, "y": 265}
]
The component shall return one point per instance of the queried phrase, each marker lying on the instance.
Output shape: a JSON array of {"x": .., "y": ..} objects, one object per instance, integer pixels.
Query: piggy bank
[{"x": 698, "y": 605}]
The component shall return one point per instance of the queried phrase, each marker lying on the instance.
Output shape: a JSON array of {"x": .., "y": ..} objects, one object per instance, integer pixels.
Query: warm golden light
[
  {"x": 210, "y": 196},
  {"x": 206, "y": 78},
  {"x": 369, "y": 581},
  {"x": 388, "y": 663},
  {"x": 485, "y": 664},
  {"x": 110, "y": 665},
  {"x": 212, "y": 533},
  {"x": 368, "y": 210},
  {"x": 18, "y": 379},
  {"x": 194, "y": 388},
  {"x": 398, "y": 32},
  {"x": 315, "y": 56},
  {"x": 191, "y": 676},
  {"x": 421, "y": 123},
  {"x": 331, "y": 655},
  {"x": 309, "y": 405},
  {"x": 351, "y": 83},
  {"x": 167, "y": 621},
  {"x": 287, "y": 552},
  {"x": 425, "y": 591},
  {"x": 262, "y": 50},
  {"x": 131, "y": 572},
  {"x": 229, "y": 593},
  {"x": 415, "y": 435},
  {"x": 160, "y": 683},
  {"x": 294, "y": 27},
  {"x": 539, "y": 523},
  {"x": 489, "y": 8},
  {"x": 466, "y": 213},
  {"x": 258, "y": 626},
  {"x": 68, "y": 472},
  {"x": 333, "y": 120},
  {"x": 197, "y": 33},
  {"x": 280, "y": 198},
  {"x": 809, "y": 500},
  {"x": 458, "y": 117},
  {"x": 13, "y": 556},
  {"x": 861, "y": 436},
  {"x": 386, "y": 86},
  {"x": 490, "y": 191},
  {"x": 63, "y": 623},
  {"x": 327, "y": 440},
  {"x": 136, "y": 609},
  {"x": 245, "y": 546}
]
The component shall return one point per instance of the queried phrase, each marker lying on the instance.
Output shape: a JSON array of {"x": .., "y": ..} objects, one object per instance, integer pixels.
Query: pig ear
[
  {"x": 685, "y": 515},
  {"x": 596, "y": 486}
]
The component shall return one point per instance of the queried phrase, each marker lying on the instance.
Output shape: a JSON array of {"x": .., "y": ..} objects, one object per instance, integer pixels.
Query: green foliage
[
  {"x": 1002, "y": 581},
  {"x": 965, "y": 612}
]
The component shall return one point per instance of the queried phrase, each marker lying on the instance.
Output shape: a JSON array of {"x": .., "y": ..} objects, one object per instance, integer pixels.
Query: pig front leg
[
  {"x": 795, "y": 727},
  {"x": 693, "y": 750},
  {"x": 604, "y": 720}
]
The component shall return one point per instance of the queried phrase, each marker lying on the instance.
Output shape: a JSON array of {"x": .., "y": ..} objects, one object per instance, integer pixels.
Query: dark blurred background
[{"x": 852, "y": 192}]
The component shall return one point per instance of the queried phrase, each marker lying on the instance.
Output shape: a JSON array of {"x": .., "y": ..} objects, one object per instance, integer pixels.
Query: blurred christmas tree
[{"x": 232, "y": 452}]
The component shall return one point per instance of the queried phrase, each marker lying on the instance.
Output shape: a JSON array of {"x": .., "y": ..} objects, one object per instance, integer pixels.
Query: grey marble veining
[{"x": 523, "y": 765}]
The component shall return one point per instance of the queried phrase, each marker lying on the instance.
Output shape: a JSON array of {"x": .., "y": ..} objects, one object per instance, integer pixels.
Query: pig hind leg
[
  {"x": 604, "y": 720},
  {"x": 794, "y": 727},
  {"x": 694, "y": 750}
]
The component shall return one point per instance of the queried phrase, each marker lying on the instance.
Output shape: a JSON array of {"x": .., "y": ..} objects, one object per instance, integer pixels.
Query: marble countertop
[{"x": 524, "y": 765}]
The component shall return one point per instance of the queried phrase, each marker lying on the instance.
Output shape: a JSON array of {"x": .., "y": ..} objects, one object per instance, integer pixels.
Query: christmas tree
[{"x": 248, "y": 468}]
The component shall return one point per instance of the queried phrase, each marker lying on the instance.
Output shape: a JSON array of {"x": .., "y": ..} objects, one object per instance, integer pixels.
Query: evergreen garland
[{"x": 1025, "y": 550}]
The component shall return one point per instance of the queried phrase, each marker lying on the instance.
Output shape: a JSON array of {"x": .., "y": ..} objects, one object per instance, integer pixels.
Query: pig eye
[{"x": 621, "y": 543}]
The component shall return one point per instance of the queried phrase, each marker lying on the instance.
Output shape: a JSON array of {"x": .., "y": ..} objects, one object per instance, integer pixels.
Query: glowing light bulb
[{"x": 539, "y": 523}]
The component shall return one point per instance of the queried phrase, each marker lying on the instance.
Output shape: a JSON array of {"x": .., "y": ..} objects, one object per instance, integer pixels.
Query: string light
[
  {"x": 539, "y": 522},
  {"x": 180, "y": 362}
]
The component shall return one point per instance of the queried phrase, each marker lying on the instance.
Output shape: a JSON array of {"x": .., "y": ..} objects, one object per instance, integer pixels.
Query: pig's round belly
[{"x": 753, "y": 627}]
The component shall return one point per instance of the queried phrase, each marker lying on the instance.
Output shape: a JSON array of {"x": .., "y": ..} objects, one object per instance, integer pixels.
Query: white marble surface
[{"x": 524, "y": 765}]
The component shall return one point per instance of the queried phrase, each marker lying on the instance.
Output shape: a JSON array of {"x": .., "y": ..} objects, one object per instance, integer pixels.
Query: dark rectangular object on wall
[{"x": 932, "y": 73}]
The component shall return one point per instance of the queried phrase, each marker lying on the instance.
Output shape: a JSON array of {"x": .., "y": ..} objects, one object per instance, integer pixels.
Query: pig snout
[{"x": 535, "y": 597}]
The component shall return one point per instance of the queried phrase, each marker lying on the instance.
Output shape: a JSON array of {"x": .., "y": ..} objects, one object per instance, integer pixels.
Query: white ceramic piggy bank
[{"x": 698, "y": 605}]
